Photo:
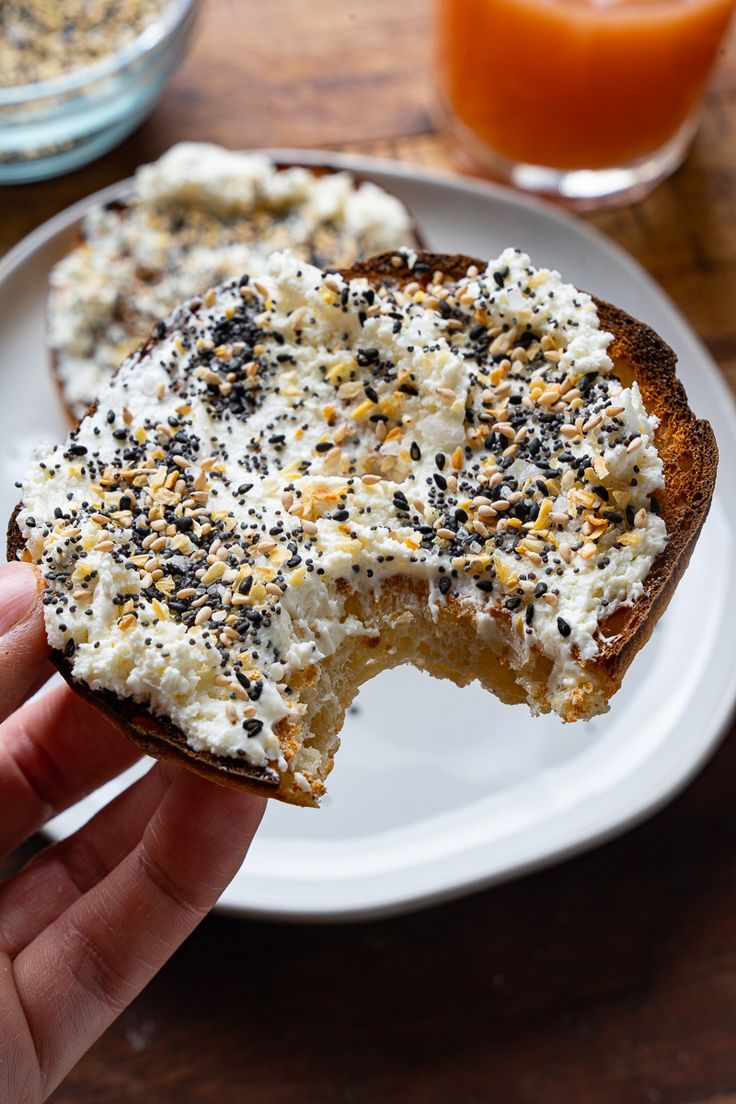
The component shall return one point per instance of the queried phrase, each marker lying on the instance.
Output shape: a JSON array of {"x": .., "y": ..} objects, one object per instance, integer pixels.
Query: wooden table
[{"x": 609, "y": 980}]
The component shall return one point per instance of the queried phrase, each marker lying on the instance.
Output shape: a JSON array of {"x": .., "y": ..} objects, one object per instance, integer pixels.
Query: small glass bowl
[{"x": 53, "y": 126}]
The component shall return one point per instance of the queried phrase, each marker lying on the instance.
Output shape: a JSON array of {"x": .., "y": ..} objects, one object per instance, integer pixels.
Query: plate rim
[{"x": 24, "y": 251}]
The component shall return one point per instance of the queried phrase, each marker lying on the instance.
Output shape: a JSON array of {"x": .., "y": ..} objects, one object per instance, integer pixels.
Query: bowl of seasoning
[{"x": 77, "y": 76}]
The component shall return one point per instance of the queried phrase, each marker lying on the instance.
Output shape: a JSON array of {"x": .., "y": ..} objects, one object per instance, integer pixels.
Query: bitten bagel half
[{"x": 306, "y": 478}]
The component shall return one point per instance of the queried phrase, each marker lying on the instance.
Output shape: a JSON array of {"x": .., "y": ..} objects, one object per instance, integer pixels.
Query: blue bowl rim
[{"x": 150, "y": 38}]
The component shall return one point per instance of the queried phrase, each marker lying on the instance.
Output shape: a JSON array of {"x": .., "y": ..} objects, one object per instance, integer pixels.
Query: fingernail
[{"x": 18, "y": 594}]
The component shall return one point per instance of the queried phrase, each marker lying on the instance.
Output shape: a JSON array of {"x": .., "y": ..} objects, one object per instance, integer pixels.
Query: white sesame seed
[{"x": 592, "y": 423}]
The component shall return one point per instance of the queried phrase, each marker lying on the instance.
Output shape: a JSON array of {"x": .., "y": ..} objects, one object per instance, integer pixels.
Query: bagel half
[
  {"x": 198, "y": 216},
  {"x": 390, "y": 465}
]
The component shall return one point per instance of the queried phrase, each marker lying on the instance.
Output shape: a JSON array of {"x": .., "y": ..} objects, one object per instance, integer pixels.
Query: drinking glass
[{"x": 588, "y": 101}]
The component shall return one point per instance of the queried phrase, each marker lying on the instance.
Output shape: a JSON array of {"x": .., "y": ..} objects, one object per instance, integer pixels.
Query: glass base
[
  {"x": 67, "y": 156},
  {"x": 581, "y": 189}
]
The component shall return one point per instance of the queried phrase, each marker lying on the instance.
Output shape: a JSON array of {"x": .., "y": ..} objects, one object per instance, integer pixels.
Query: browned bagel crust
[{"x": 690, "y": 457}]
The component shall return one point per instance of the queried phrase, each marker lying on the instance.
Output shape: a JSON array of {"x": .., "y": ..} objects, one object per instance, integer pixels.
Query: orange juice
[{"x": 575, "y": 84}]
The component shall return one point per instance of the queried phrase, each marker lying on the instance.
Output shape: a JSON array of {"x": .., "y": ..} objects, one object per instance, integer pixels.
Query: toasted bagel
[{"x": 306, "y": 478}]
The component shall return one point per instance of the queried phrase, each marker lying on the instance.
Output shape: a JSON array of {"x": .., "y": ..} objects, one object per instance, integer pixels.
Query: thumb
[{"x": 23, "y": 647}]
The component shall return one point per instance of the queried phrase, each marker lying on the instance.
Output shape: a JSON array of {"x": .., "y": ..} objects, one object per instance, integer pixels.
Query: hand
[{"x": 89, "y": 921}]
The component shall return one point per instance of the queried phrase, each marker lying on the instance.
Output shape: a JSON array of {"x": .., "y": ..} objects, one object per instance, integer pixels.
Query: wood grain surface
[{"x": 608, "y": 980}]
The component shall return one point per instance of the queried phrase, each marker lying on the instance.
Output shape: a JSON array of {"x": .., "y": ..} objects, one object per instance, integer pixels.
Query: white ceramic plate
[{"x": 402, "y": 825}]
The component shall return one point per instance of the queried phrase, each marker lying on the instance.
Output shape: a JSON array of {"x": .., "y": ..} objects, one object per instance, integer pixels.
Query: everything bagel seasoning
[{"x": 43, "y": 39}]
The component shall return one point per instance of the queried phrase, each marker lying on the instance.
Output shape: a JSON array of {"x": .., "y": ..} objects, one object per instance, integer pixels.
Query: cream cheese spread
[
  {"x": 291, "y": 430},
  {"x": 199, "y": 215}
]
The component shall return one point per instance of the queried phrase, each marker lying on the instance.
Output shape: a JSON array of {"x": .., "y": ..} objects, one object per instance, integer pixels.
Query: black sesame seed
[
  {"x": 563, "y": 627},
  {"x": 440, "y": 481},
  {"x": 445, "y": 583},
  {"x": 415, "y": 452},
  {"x": 253, "y": 726}
]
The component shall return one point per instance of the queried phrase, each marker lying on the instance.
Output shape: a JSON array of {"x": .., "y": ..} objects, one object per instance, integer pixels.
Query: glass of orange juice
[{"x": 590, "y": 101}]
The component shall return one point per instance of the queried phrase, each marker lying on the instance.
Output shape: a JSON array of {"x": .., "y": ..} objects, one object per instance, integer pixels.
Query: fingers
[
  {"x": 79, "y": 973},
  {"x": 23, "y": 648},
  {"x": 64, "y": 872},
  {"x": 53, "y": 751}
]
